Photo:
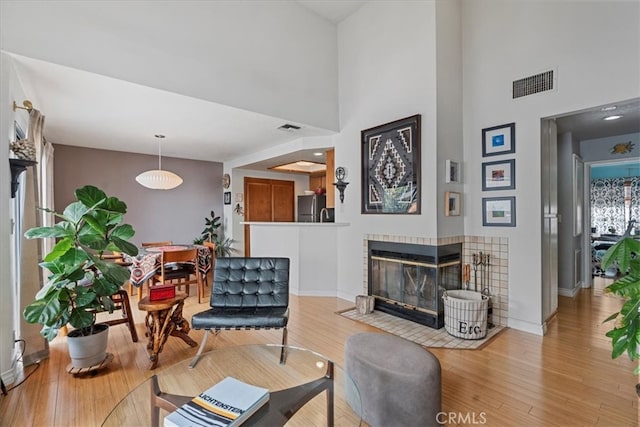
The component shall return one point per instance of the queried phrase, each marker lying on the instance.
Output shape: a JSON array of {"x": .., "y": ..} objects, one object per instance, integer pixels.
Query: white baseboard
[
  {"x": 571, "y": 293},
  {"x": 525, "y": 326}
]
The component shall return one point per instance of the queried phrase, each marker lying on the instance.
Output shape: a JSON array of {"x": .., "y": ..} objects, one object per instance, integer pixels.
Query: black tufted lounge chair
[{"x": 247, "y": 293}]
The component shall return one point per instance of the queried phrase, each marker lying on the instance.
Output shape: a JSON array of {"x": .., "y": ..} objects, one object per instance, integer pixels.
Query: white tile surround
[{"x": 496, "y": 247}]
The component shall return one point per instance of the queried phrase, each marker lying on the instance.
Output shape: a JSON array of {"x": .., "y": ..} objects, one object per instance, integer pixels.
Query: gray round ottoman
[{"x": 398, "y": 381}]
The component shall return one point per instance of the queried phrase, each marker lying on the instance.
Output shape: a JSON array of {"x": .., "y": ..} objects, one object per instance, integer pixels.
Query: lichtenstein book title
[{"x": 229, "y": 403}]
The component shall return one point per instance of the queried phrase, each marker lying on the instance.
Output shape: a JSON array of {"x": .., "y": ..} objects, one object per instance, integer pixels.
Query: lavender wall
[{"x": 176, "y": 214}]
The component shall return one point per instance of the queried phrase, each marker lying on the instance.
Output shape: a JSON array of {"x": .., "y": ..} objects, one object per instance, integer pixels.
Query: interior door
[{"x": 550, "y": 218}]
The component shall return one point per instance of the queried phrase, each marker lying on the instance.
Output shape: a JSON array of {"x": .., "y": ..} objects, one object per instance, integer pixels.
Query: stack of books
[{"x": 228, "y": 403}]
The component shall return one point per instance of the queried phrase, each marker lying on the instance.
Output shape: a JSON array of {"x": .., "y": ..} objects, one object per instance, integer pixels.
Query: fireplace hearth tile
[{"x": 420, "y": 334}]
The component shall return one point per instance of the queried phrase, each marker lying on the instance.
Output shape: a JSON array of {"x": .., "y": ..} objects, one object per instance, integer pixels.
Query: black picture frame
[
  {"x": 499, "y": 175},
  {"x": 499, "y": 140},
  {"x": 499, "y": 211},
  {"x": 227, "y": 197},
  {"x": 391, "y": 167}
]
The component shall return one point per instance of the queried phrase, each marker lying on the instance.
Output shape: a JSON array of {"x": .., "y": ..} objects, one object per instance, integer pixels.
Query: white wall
[
  {"x": 265, "y": 69},
  {"x": 387, "y": 69},
  {"x": 449, "y": 113},
  {"x": 508, "y": 40},
  {"x": 10, "y": 89}
]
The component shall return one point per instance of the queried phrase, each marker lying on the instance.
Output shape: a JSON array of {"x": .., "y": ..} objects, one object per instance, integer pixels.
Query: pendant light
[{"x": 159, "y": 179}]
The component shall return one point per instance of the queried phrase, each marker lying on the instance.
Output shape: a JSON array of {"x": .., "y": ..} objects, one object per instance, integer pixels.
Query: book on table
[{"x": 228, "y": 403}]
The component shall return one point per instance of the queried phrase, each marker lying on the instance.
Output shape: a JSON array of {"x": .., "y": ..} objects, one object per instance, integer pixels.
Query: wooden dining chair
[
  {"x": 180, "y": 268},
  {"x": 212, "y": 249}
]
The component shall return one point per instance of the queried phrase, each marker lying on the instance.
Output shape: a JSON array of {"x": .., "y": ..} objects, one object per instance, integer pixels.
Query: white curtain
[{"x": 38, "y": 192}]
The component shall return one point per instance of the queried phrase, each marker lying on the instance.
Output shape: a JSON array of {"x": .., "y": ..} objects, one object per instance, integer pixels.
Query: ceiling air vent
[
  {"x": 533, "y": 84},
  {"x": 287, "y": 127}
]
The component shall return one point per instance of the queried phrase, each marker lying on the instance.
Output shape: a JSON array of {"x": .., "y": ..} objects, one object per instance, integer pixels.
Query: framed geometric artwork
[
  {"x": 499, "y": 140},
  {"x": 452, "y": 201},
  {"x": 391, "y": 167},
  {"x": 499, "y": 211},
  {"x": 499, "y": 175}
]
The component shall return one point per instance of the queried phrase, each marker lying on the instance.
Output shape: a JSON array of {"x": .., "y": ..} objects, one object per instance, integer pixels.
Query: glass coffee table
[{"x": 307, "y": 390}]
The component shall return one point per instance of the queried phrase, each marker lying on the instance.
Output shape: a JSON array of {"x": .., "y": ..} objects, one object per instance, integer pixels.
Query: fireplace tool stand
[{"x": 482, "y": 262}]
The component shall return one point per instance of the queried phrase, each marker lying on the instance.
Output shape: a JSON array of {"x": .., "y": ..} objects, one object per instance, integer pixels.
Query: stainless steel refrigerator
[{"x": 309, "y": 207}]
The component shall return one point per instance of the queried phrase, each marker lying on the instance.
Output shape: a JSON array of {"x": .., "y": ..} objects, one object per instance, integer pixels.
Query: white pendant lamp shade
[{"x": 158, "y": 179}]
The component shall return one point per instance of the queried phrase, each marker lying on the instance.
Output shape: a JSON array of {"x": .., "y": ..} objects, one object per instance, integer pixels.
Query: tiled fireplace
[{"x": 407, "y": 276}]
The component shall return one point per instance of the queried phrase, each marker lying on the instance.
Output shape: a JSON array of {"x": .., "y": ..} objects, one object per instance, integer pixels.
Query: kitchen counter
[{"x": 311, "y": 248}]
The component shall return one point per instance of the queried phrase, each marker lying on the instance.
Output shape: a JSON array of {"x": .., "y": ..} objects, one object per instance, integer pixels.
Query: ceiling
[
  {"x": 590, "y": 123},
  {"x": 96, "y": 111}
]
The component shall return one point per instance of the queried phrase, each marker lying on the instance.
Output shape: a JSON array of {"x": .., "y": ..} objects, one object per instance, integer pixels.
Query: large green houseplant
[
  {"x": 81, "y": 282},
  {"x": 625, "y": 335}
]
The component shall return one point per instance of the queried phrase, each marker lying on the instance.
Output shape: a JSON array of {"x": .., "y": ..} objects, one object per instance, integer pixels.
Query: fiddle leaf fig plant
[
  {"x": 81, "y": 282},
  {"x": 625, "y": 335},
  {"x": 211, "y": 225}
]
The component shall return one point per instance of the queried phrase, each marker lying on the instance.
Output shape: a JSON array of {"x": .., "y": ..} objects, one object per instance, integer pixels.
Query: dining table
[{"x": 145, "y": 265}]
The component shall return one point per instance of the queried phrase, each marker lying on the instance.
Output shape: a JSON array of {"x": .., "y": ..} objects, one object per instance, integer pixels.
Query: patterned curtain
[{"x": 607, "y": 204}]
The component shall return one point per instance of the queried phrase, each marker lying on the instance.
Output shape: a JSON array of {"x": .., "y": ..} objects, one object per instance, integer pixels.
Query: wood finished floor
[{"x": 566, "y": 378}]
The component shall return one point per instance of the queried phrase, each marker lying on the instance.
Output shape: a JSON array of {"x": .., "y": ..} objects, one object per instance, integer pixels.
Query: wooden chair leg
[
  {"x": 126, "y": 311},
  {"x": 283, "y": 351}
]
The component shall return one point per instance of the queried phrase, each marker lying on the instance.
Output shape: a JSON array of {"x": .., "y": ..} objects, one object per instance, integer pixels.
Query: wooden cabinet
[
  {"x": 325, "y": 179},
  {"x": 268, "y": 200},
  {"x": 330, "y": 178},
  {"x": 317, "y": 181}
]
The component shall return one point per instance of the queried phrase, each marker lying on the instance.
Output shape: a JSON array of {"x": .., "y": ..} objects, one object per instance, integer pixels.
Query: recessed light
[
  {"x": 609, "y": 108},
  {"x": 616, "y": 117},
  {"x": 318, "y": 154}
]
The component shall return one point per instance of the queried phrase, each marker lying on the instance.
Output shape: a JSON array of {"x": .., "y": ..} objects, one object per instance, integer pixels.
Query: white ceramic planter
[{"x": 86, "y": 351}]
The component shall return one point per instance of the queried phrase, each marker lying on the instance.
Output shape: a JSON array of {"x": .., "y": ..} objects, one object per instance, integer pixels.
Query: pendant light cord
[{"x": 160, "y": 137}]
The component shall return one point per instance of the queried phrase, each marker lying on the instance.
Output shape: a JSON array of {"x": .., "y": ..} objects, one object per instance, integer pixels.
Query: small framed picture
[
  {"x": 452, "y": 203},
  {"x": 499, "y": 140},
  {"x": 499, "y": 175},
  {"x": 227, "y": 197},
  {"x": 499, "y": 211},
  {"x": 452, "y": 170}
]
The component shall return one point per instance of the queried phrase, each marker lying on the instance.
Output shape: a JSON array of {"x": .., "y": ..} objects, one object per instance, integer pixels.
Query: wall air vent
[
  {"x": 287, "y": 127},
  {"x": 533, "y": 84}
]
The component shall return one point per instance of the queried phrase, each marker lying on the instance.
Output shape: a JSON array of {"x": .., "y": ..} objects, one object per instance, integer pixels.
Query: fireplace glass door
[{"x": 413, "y": 283}]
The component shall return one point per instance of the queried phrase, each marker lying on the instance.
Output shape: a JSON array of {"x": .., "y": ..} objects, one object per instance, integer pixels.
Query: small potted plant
[
  {"x": 81, "y": 282},
  {"x": 625, "y": 335},
  {"x": 210, "y": 234}
]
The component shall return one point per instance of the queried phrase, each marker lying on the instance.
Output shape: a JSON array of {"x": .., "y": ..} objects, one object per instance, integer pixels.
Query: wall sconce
[{"x": 341, "y": 173}]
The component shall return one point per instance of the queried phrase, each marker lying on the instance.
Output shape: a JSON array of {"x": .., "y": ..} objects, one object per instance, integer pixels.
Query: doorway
[{"x": 566, "y": 233}]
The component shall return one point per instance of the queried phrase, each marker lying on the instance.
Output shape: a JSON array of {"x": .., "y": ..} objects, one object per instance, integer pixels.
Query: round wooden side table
[{"x": 164, "y": 318}]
